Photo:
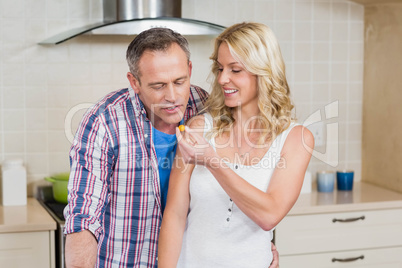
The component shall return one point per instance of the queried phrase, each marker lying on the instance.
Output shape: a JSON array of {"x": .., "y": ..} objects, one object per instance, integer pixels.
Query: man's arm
[{"x": 81, "y": 250}]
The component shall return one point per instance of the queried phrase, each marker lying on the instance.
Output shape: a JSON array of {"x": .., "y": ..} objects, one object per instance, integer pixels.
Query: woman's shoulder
[{"x": 299, "y": 136}]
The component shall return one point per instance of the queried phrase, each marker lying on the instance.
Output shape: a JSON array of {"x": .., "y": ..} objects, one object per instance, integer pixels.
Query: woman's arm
[
  {"x": 175, "y": 214},
  {"x": 268, "y": 208}
]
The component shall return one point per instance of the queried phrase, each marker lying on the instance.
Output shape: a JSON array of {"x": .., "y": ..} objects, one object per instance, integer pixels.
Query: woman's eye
[{"x": 236, "y": 71}]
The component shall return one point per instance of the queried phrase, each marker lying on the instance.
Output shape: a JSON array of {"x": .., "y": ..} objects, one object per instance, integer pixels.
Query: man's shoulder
[
  {"x": 110, "y": 101},
  {"x": 198, "y": 92}
]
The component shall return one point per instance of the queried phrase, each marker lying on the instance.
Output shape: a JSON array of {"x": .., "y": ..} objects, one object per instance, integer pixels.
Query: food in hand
[{"x": 181, "y": 127}]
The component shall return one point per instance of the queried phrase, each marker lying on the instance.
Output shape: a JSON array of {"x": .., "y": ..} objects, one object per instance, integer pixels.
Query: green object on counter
[{"x": 60, "y": 182}]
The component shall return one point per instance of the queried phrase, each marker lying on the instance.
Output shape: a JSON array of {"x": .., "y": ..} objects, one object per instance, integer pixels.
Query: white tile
[
  {"x": 13, "y": 52},
  {"x": 57, "y": 9},
  {"x": 356, "y": 51},
  {"x": 302, "y": 72},
  {"x": 357, "y": 31},
  {"x": 356, "y": 72},
  {"x": 264, "y": 11},
  {"x": 339, "y": 92},
  {"x": 340, "y": 11},
  {"x": 35, "y": 31},
  {"x": 356, "y": 12},
  {"x": 58, "y": 74},
  {"x": 301, "y": 92},
  {"x": 36, "y": 74},
  {"x": 14, "y": 120},
  {"x": 36, "y": 163},
  {"x": 320, "y": 93},
  {"x": 340, "y": 31},
  {"x": 101, "y": 74},
  {"x": 12, "y": 74},
  {"x": 354, "y": 152},
  {"x": 13, "y": 30},
  {"x": 36, "y": 97},
  {"x": 58, "y": 162},
  {"x": 37, "y": 141},
  {"x": 321, "y": 31},
  {"x": 339, "y": 72},
  {"x": 14, "y": 143},
  {"x": 321, "y": 11},
  {"x": 340, "y": 51},
  {"x": 354, "y": 132},
  {"x": 355, "y": 92},
  {"x": 36, "y": 54},
  {"x": 321, "y": 72},
  {"x": 58, "y": 142},
  {"x": 35, "y": 9},
  {"x": 56, "y": 118},
  {"x": 14, "y": 98},
  {"x": 78, "y": 9},
  {"x": 284, "y": 31},
  {"x": 284, "y": 10},
  {"x": 303, "y": 31},
  {"x": 245, "y": 10},
  {"x": 36, "y": 119},
  {"x": 355, "y": 112},
  {"x": 58, "y": 97},
  {"x": 302, "y": 52},
  {"x": 12, "y": 9},
  {"x": 303, "y": 10},
  {"x": 321, "y": 52}
]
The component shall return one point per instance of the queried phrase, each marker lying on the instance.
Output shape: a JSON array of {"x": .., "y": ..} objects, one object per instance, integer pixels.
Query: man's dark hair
[{"x": 155, "y": 39}]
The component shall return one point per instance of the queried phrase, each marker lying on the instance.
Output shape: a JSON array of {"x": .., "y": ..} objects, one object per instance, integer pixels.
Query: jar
[{"x": 13, "y": 183}]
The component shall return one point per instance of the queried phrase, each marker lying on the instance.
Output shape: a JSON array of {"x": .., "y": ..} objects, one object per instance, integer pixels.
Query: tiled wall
[{"x": 322, "y": 43}]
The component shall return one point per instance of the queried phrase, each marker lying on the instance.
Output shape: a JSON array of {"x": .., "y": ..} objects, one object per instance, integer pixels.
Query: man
[{"x": 122, "y": 154}]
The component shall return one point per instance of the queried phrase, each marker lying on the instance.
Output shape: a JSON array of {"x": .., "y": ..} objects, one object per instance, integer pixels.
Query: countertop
[
  {"x": 29, "y": 218},
  {"x": 364, "y": 196}
]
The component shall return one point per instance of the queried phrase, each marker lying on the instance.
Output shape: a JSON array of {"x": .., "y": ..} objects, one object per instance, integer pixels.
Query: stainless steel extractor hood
[{"x": 130, "y": 17}]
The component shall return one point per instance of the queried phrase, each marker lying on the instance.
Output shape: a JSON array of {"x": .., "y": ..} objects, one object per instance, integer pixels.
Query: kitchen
[{"x": 322, "y": 42}]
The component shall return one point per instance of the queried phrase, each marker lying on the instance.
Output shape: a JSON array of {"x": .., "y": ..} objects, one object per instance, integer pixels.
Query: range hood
[{"x": 130, "y": 17}]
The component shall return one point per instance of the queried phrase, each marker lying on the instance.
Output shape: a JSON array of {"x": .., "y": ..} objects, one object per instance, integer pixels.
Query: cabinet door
[
  {"x": 368, "y": 258},
  {"x": 339, "y": 231},
  {"x": 30, "y": 249}
]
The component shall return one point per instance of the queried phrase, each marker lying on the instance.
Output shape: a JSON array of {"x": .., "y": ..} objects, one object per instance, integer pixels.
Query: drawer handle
[
  {"x": 349, "y": 220},
  {"x": 348, "y": 259}
]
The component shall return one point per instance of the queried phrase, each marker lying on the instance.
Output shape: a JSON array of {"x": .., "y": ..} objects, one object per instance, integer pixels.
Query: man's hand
[
  {"x": 275, "y": 257},
  {"x": 81, "y": 250}
]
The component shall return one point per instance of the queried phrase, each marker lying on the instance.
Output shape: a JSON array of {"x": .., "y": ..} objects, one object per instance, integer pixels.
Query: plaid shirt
[{"x": 114, "y": 189}]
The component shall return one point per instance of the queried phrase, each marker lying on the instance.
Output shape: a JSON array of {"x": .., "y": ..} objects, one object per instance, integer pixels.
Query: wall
[
  {"x": 321, "y": 40},
  {"x": 382, "y": 124}
]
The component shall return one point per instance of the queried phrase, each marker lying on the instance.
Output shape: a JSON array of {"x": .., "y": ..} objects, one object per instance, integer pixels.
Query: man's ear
[
  {"x": 190, "y": 67},
  {"x": 134, "y": 83}
]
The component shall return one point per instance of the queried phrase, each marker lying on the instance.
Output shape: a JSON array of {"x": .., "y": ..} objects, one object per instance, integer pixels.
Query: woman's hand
[{"x": 194, "y": 148}]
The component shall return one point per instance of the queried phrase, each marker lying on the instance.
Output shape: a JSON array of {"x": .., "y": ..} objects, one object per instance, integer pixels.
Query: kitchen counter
[
  {"x": 359, "y": 228},
  {"x": 30, "y": 218},
  {"x": 364, "y": 196}
]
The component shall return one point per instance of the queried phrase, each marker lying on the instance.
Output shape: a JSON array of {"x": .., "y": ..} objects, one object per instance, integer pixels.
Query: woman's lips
[{"x": 229, "y": 92}]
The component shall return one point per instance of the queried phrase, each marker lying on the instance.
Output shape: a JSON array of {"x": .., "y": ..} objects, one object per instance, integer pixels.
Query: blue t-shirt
[{"x": 165, "y": 147}]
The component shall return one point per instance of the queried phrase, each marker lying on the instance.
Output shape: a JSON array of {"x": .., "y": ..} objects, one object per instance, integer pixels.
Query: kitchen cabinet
[
  {"x": 359, "y": 228},
  {"x": 26, "y": 236}
]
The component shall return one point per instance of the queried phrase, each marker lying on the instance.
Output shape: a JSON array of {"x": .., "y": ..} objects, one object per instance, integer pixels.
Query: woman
[{"x": 240, "y": 167}]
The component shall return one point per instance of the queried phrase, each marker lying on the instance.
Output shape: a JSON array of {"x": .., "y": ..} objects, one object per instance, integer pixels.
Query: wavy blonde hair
[{"x": 255, "y": 46}]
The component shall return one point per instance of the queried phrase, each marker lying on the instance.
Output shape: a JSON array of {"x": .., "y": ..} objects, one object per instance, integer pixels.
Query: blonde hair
[{"x": 255, "y": 46}]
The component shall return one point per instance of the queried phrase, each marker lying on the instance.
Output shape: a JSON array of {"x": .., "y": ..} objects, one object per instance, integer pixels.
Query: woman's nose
[{"x": 223, "y": 78}]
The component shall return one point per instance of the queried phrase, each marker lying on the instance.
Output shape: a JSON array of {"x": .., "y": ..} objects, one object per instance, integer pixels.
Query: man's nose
[{"x": 170, "y": 94}]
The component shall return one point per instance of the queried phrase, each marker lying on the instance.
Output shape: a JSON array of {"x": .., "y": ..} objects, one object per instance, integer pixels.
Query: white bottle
[{"x": 13, "y": 183}]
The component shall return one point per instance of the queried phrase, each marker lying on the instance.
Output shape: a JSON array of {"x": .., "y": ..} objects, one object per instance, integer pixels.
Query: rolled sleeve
[{"x": 91, "y": 166}]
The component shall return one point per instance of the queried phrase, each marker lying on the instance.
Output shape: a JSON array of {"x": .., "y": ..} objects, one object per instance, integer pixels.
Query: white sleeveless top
[{"x": 218, "y": 233}]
